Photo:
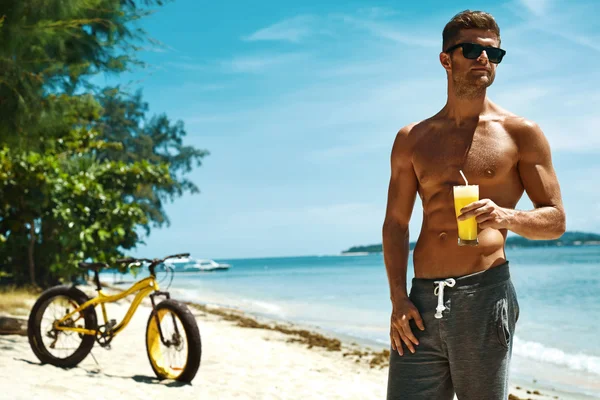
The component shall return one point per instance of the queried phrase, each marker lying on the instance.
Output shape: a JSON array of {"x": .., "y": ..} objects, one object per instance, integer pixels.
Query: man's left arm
[{"x": 547, "y": 220}]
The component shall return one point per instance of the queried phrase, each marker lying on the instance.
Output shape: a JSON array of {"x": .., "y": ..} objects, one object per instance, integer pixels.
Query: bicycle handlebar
[{"x": 152, "y": 262}]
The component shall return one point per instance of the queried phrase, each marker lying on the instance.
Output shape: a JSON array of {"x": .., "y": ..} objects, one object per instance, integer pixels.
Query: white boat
[
  {"x": 211, "y": 265},
  {"x": 192, "y": 265}
]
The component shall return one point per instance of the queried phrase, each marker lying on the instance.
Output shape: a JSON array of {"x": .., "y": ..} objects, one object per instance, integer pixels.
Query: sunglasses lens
[
  {"x": 494, "y": 55},
  {"x": 471, "y": 50}
]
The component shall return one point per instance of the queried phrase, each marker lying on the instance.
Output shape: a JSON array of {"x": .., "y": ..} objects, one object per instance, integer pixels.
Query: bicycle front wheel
[{"x": 176, "y": 355}]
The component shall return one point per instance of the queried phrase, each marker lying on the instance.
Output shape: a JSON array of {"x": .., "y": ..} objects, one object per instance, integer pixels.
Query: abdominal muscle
[{"x": 438, "y": 255}]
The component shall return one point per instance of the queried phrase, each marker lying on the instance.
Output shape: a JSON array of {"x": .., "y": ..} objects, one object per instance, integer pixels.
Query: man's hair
[{"x": 468, "y": 20}]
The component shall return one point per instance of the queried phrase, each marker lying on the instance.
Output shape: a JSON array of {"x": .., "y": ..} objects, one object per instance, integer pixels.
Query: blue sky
[{"x": 299, "y": 104}]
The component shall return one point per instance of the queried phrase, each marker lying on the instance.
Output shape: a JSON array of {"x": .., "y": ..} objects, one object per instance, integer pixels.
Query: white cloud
[
  {"x": 588, "y": 221},
  {"x": 582, "y": 40},
  {"x": 551, "y": 20},
  {"x": 260, "y": 63},
  {"x": 378, "y": 12},
  {"x": 537, "y": 7},
  {"x": 585, "y": 184},
  {"x": 564, "y": 109},
  {"x": 289, "y": 30},
  {"x": 572, "y": 134},
  {"x": 299, "y": 28},
  {"x": 361, "y": 68},
  {"x": 253, "y": 63},
  {"x": 346, "y": 150},
  {"x": 522, "y": 97},
  {"x": 386, "y": 31}
]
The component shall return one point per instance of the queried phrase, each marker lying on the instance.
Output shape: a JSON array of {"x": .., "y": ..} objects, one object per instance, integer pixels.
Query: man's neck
[{"x": 462, "y": 109}]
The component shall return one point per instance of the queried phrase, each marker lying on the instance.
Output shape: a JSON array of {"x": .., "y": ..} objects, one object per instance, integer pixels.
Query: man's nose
[{"x": 483, "y": 56}]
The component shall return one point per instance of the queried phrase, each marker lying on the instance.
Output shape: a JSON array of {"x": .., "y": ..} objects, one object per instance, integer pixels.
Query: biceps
[
  {"x": 540, "y": 182},
  {"x": 401, "y": 197}
]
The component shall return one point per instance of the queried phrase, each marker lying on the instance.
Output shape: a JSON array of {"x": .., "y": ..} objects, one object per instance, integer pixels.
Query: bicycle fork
[{"x": 162, "y": 338}]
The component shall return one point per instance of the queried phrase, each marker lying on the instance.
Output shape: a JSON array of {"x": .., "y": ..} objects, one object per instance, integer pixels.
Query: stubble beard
[{"x": 468, "y": 89}]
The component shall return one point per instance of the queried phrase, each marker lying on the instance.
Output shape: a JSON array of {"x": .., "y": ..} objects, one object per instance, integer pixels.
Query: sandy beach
[{"x": 243, "y": 358}]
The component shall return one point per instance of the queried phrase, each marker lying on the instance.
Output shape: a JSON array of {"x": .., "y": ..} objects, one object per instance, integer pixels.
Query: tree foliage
[
  {"x": 82, "y": 168},
  {"x": 156, "y": 140},
  {"x": 57, "y": 45}
]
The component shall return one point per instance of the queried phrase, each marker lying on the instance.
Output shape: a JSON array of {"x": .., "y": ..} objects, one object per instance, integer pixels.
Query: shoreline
[
  {"x": 244, "y": 356},
  {"x": 365, "y": 349}
]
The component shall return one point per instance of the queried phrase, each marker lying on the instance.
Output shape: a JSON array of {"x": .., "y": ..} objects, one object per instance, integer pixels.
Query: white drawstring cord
[{"x": 439, "y": 292}]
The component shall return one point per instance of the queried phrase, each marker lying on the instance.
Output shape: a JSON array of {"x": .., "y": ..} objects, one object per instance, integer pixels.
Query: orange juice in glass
[{"x": 467, "y": 229}]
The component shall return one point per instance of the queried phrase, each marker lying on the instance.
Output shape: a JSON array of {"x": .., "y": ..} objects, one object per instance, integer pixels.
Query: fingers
[
  {"x": 473, "y": 206},
  {"x": 418, "y": 321},
  {"x": 476, "y": 208},
  {"x": 408, "y": 344},
  {"x": 482, "y": 211},
  {"x": 396, "y": 341},
  {"x": 406, "y": 334},
  {"x": 398, "y": 337},
  {"x": 484, "y": 217},
  {"x": 401, "y": 333},
  {"x": 408, "y": 337}
]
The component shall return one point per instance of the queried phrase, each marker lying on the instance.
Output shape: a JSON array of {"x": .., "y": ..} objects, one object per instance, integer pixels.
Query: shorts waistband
[{"x": 484, "y": 278}]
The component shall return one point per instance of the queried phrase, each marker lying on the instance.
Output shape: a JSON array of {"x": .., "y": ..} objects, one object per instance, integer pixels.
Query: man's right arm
[
  {"x": 402, "y": 192},
  {"x": 401, "y": 199}
]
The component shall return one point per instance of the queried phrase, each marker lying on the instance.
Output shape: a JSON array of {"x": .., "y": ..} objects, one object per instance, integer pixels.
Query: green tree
[
  {"x": 156, "y": 140},
  {"x": 79, "y": 173},
  {"x": 63, "y": 205},
  {"x": 57, "y": 46}
]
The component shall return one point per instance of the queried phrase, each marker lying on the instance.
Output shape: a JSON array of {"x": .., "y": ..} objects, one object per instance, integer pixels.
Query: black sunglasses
[{"x": 473, "y": 50}]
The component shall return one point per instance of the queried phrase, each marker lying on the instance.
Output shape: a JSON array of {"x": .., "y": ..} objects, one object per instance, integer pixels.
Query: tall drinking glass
[{"x": 467, "y": 229}]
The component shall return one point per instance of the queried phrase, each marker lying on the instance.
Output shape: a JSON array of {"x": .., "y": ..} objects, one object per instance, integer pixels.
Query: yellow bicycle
[{"x": 63, "y": 325}]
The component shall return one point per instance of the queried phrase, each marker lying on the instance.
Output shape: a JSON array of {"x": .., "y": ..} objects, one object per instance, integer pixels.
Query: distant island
[{"x": 568, "y": 239}]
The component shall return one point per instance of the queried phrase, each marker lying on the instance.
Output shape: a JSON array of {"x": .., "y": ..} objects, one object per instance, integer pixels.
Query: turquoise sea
[{"x": 558, "y": 289}]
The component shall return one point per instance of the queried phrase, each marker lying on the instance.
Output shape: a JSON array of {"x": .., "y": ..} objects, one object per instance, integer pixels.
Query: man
[{"x": 466, "y": 348}]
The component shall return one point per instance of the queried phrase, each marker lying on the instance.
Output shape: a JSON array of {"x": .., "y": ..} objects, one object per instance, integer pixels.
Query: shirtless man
[{"x": 466, "y": 349}]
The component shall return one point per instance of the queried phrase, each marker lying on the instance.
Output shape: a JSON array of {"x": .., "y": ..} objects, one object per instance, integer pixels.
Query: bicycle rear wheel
[
  {"x": 177, "y": 354},
  {"x": 61, "y": 348}
]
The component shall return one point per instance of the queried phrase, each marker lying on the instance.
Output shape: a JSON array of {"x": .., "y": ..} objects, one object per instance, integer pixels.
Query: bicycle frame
[{"x": 144, "y": 288}]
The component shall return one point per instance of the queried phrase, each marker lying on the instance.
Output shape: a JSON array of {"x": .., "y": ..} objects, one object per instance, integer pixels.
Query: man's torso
[{"x": 487, "y": 152}]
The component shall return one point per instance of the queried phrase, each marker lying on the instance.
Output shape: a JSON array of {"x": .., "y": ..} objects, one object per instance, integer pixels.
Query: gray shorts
[{"x": 467, "y": 351}]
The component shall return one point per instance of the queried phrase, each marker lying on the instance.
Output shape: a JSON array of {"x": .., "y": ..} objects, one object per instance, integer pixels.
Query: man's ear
[{"x": 445, "y": 61}]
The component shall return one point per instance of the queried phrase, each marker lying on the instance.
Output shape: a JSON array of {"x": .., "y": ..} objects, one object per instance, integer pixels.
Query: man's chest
[{"x": 484, "y": 157}]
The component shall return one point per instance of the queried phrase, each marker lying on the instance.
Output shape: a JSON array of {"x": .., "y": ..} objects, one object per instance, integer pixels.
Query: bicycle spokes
[
  {"x": 59, "y": 343},
  {"x": 169, "y": 356}
]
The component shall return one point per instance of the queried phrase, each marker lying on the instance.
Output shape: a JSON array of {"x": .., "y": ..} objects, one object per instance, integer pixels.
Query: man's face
[{"x": 471, "y": 77}]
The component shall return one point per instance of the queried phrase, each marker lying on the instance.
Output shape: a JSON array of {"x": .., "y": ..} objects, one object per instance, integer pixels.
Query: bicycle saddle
[{"x": 93, "y": 266}]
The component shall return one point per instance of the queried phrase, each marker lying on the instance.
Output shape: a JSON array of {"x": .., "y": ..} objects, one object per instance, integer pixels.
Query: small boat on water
[
  {"x": 211, "y": 265},
  {"x": 191, "y": 265}
]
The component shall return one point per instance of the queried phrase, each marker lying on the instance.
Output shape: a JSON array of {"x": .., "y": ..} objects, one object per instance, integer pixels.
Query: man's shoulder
[
  {"x": 405, "y": 138},
  {"x": 407, "y": 130},
  {"x": 404, "y": 142},
  {"x": 521, "y": 128},
  {"x": 414, "y": 129},
  {"x": 527, "y": 135},
  {"x": 514, "y": 124}
]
